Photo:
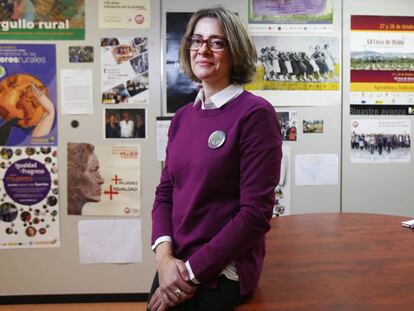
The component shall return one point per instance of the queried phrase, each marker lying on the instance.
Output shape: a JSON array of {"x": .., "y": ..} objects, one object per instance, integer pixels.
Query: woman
[
  {"x": 216, "y": 194},
  {"x": 84, "y": 180},
  {"x": 112, "y": 129}
]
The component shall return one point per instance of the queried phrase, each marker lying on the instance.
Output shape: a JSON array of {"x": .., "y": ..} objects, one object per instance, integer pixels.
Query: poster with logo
[
  {"x": 124, "y": 73},
  {"x": 42, "y": 19},
  {"x": 382, "y": 70},
  {"x": 104, "y": 180},
  {"x": 28, "y": 113},
  {"x": 380, "y": 141},
  {"x": 29, "y": 211},
  {"x": 125, "y": 14},
  {"x": 270, "y": 16}
]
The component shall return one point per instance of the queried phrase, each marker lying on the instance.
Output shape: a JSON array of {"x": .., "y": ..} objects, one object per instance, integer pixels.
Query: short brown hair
[{"x": 242, "y": 49}]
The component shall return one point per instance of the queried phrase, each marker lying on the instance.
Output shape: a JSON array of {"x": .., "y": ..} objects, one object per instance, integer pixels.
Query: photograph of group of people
[
  {"x": 81, "y": 54},
  {"x": 296, "y": 63},
  {"x": 380, "y": 141},
  {"x": 288, "y": 124},
  {"x": 313, "y": 126},
  {"x": 125, "y": 123}
]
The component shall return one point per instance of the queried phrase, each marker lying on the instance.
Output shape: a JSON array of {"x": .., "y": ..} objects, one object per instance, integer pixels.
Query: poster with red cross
[{"x": 104, "y": 180}]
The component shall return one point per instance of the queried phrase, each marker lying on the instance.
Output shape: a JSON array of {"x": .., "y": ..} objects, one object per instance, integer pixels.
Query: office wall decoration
[
  {"x": 42, "y": 20},
  {"x": 382, "y": 65},
  {"x": 134, "y": 14},
  {"x": 29, "y": 210},
  {"x": 28, "y": 95},
  {"x": 124, "y": 73}
]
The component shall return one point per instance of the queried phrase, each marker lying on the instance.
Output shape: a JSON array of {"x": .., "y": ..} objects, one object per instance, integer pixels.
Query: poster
[
  {"x": 296, "y": 15},
  {"x": 124, "y": 71},
  {"x": 29, "y": 211},
  {"x": 163, "y": 125},
  {"x": 125, "y": 123},
  {"x": 104, "y": 180},
  {"x": 180, "y": 89},
  {"x": 282, "y": 190},
  {"x": 125, "y": 14},
  {"x": 28, "y": 113},
  {"x": 298, "y": 63},
  {"x": 380, "y": 141},
  {"x": 288, "y": 124},
  {"x": 382, "y": 70},
  {"x": 42, "y": 20}
]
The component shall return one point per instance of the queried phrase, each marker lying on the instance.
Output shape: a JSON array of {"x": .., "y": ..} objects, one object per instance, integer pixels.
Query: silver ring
[{"x": 177, "y": 292}]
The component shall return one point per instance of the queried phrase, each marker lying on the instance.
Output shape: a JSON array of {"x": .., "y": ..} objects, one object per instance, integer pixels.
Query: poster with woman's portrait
[
  {"x": 29, "y": 209},
  {"x": 28, "y": 95},
  {"x": 104, "y": 179}
]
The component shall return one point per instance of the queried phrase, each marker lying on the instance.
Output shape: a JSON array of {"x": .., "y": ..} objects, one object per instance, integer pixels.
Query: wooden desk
[{"x": 337, "y": 262}]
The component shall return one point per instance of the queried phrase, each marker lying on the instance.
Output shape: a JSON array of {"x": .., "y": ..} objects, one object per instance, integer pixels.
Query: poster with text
[
  {"x": 29, "y": 210},
  {"x": 104, "y": 179},
  {"x": 180, "y": 89},
  {"x": 28, "y": 112},
  {"x": 382, "y": 65},
  {"x": 380, "y": 141},
  {"x": 42, "y": 19},
  {"x": 124, "y": 71},
  {"x": 125, "y": 14},
  {"x": 295, "y": 15}
]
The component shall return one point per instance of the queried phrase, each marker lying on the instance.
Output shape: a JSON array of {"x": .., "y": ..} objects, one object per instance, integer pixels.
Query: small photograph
[
  {"x": 125, "y": 123},
  {"x": 288, "y": 124},
  {"x": 313, "y": 126},
  {"x": 137, "y": 85},
  {"x": 6, "y": 153},
  {"x": 140, "y": 44},
  {"x": 8, "y": 212},
  {"x": 109, "y": 42},
  {"x": 380, "y": 141},
  {"x": 80, "y": 54},
  {"x": 140, "y": 64},
  {"x": 115, "y": 95},
  {"x": 123, "y": 53}
]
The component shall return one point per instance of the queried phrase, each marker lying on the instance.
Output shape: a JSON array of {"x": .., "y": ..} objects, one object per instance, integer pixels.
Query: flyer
[
  {"x": 380, "y": 141},
  {"x": 124, "y": 73},
  {"x": 270, "y": 16},
  {"x": 29, "y": 211},
  {"x": 28, "y": 112},
  {"x": 382, "y": 71},
  {"x": 104, "y": 179},
  {"x": 42, "y": 20},
  {"x": 124, "y": 14}
]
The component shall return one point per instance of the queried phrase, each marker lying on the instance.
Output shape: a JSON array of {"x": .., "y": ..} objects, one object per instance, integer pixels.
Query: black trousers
[{"x": 223, "y": 298}]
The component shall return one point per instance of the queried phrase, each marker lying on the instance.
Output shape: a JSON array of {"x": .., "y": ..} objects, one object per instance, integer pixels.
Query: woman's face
[
  {"x": 91, "y": 181},
  {"x": 211, "y": 67}
]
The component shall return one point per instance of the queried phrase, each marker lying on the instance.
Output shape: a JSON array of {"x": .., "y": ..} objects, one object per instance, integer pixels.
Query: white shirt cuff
[
  {"x": 190, "y": 273},
  {"x": 164, "y": 238}
]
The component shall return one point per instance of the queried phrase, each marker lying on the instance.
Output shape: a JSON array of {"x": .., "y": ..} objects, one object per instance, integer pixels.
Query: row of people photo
[{"x": 125, "y": 123}]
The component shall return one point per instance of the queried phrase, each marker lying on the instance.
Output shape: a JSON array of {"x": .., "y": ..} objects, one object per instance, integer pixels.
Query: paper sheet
[
  {"x": 77, "y": 91},
  {"x": 316, "y": 169},
  {"x": 110, "y": 241}
]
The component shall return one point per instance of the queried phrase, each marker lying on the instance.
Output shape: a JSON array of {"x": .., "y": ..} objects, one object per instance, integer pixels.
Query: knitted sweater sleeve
[{"x": 260, "y": 149}]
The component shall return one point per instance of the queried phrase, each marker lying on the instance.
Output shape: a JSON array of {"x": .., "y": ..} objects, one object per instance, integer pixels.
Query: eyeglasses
[{"x": 214, "y": 44}]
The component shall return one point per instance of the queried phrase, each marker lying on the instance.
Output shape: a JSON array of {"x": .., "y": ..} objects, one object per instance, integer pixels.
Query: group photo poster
[
  {"x": 380, "y": 141},
  {"x": 125, "y": 123},
  {"x": 28, "y": 109},
  {"x": 180, "y": 89},
  {"x": 382, "y": 65},
  {"x": 124, "y": 14},
  {"x": 124, "y": 63},
  {"x": 29, "y": 209},
  {"x": 297, "y": 63},
  {"x": 42, "y": 20},
  {"x": 270, "y": 16},
  {"x": 104, "y": 180}
]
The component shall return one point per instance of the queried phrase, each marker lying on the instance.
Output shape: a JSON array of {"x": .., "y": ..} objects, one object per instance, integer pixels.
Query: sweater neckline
[{"x": 213, "y": 112}]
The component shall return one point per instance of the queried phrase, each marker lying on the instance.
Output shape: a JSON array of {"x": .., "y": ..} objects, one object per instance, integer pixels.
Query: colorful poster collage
[
  {"x": 29, "y": 214},
  {"x": 42, "y": 20},
  {"x": 382, "y": 65}
]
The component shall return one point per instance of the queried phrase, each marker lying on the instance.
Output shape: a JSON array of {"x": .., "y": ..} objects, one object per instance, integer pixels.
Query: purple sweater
[{"x": 216, "y": 204}]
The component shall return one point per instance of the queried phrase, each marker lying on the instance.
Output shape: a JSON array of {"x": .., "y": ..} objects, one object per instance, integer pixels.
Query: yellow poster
[{"x": 124, "y": 14}]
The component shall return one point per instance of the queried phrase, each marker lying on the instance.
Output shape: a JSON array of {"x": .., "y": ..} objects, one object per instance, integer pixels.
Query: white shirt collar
[{"x": 220, "y": 98}]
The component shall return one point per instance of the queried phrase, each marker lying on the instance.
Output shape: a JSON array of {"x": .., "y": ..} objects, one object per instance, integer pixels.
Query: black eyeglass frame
[{"x": 189, "y": 42}]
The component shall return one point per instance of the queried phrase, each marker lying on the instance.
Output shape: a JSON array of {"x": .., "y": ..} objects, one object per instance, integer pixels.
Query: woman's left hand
[{"x": 156, "y": 303}]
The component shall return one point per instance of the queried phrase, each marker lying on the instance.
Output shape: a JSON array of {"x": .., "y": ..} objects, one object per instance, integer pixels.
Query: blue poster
[{"x": 28, "y": 112}]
